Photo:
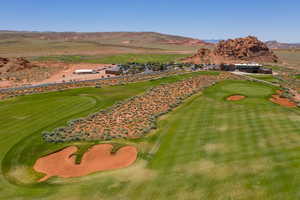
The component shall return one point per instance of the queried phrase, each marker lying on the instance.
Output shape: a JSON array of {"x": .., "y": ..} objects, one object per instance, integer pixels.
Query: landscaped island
[{"x": 135, "y": 117}]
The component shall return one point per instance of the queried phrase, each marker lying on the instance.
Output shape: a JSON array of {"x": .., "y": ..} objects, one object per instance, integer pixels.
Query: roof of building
[
  {"x": 249, "y": 64},
  {"x": 83, "y": 70}
]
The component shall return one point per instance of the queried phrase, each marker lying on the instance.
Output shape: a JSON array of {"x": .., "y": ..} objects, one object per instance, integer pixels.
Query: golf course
[{"x": 206, "y": 148}]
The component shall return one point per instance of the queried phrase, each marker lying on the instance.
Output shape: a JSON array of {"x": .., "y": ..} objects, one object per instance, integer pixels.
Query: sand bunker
[
  {"x": 235, "y": 98},
  {"x": 98, "y": 158},
  {"x": 282, "y": 101}
]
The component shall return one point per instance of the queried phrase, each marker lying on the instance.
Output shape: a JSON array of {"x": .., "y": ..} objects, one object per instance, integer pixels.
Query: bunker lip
[
  {"x": 97, "y": 158},
  {"x": 236, "y": 97},
  {"x": 276, "y": 98}
]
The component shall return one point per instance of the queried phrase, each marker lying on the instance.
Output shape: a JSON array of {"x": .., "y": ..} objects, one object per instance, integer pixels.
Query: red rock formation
[
  {"x": 248, "y": 49},
  {"x": 203, "y": 56}
]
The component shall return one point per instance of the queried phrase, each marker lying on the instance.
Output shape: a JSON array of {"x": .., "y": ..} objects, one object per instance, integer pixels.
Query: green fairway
[
  {"x": 116, "y": 59},
  {"x": 23, "y": 119},
  {"x": 275, "y": 68},
  {"x": 208, "y": 148},
  {"x": 269, "y": 78}
]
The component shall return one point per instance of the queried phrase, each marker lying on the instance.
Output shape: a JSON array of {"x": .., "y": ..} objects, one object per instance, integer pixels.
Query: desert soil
[
  {"x": 97, "y": 158},
  {"x": 281, "y": 100},
  {"x": 65, "y": 74},
  {"x": 6, "y": 84}
]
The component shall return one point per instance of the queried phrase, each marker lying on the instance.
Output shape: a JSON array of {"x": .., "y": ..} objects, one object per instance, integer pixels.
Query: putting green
[{"x": 208, "y": 148}]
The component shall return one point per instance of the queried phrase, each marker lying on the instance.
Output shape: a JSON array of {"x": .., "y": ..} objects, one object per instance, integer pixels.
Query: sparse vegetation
[
  {"x": 133, "y": 118},
  {"x": 289, "y": 56},
  {"x": 29, "y": 44}
]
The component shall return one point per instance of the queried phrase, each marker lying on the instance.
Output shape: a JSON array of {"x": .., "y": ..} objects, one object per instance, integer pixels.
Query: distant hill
[
  {"x": 24, "y": 43},
  {"x": 278, "y": 45},
  {"x": 106, "y": 37},
  {"x": 213, "y": 41}
]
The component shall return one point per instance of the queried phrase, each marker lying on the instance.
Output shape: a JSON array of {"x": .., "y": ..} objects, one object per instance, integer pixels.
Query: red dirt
[
  {"x": 6, "y": 84},
  {"x": 235, "y": 98},
  {"x": 276, "y": 98},
  {"x": 65, "y": 74},
  {"x": 97, "y": 158}
]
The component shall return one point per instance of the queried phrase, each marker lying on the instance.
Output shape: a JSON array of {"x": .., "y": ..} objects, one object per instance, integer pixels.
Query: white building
[
  {"x": 85, "y": 71},
  {"x": 249, "y": 65}
]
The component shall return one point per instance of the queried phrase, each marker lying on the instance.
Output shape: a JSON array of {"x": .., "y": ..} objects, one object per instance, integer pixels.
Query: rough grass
[
  {"x": 273, "y": 67},
  {"x": 116, "y": 59},
  {"x": 208, "y": 148},
  {"x": 269, "y": 78}
]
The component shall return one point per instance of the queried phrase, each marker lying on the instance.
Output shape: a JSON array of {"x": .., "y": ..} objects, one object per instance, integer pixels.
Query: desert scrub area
[
  {"x": 115, "y": 59},
  {"x": 135, "y": 117},
  {"x": 207, "y": 148}
]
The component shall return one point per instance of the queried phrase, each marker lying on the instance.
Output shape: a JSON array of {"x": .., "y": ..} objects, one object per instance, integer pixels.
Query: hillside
[
  {"x": 14, "y": 43},
  {"x": 132, "y": 37}
]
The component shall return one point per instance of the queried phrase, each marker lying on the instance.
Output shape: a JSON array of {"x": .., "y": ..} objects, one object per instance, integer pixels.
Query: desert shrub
[{"x": 143, "y": 111}]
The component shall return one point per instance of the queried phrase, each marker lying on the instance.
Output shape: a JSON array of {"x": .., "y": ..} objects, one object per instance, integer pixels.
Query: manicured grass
[
  {"x": 142, "y": 58},
  {"x": 269, "y": 78},
  {"x": 208, "y": 148},
  {"x": 23, "y": 119},
  {"x": 116, "y": 59},
  {"x": 69, "y": 58},
  {"x": 297, "y": 76},
  {"x": 273, "y": 67}
]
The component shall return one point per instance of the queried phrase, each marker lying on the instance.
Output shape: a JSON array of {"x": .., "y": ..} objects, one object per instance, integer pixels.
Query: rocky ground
[{"x": 19, "y": 71}]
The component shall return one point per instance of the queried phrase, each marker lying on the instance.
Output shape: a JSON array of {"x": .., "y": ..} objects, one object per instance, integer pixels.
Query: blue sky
[{"x": 203, "y": 19}]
